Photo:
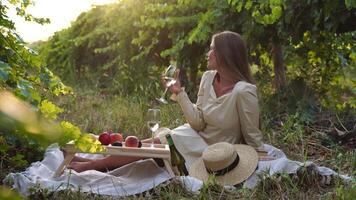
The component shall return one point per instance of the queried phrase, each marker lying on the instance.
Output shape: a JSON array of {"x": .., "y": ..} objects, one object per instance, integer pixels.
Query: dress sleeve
[
  {"x": 193, "y": 112},
  {"x": 248, "y": 111}
]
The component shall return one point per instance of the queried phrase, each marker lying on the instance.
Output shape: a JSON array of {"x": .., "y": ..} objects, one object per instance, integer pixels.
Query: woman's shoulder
[
  {"x": 243, "y": 87},
  {"x": 209, "y": 74}
]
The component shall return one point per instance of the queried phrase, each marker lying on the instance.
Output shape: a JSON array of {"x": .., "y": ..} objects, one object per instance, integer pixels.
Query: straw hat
[{"x": 231, "y": 164}]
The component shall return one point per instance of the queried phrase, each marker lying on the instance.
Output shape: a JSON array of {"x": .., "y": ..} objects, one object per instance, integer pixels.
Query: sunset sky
[{"x": 60, "y": 12}]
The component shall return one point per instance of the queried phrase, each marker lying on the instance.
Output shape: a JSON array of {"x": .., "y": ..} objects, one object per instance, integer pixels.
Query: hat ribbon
[{"x": 226, "y": 169}]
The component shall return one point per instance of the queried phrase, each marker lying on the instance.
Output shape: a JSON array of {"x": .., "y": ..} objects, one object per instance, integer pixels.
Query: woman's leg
[
  {"x": 80, "y": 164},
  {"x": 189, "y": 143},
  {"x": 80, "y": 159},
  {"x": 103, "y": 164}
]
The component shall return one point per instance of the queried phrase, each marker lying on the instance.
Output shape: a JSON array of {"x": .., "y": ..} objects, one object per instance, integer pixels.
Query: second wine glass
[{"x": 153, "y": 121}]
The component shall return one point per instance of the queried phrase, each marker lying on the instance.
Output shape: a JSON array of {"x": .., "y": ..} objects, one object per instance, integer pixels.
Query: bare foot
[{"x": 80, "y": 166}]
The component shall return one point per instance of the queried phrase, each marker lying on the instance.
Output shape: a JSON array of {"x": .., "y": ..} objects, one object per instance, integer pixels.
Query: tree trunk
[
  {"x": 279, "y": 67},
  {"x": 183, "y": 78},
  {"x": 193, "y": 76}
]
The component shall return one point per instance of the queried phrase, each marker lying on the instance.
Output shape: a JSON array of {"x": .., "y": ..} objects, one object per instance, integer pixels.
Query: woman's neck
[
  {"x": 223, "y": 81},
  {"x": 222, "y": 86}
]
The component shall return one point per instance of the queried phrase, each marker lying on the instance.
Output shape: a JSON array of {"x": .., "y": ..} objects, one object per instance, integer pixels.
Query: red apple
[
  {"x": 115, "y": 137},
  {"x": 104, "y": 138},
  {"x": 131, "y": 141}
]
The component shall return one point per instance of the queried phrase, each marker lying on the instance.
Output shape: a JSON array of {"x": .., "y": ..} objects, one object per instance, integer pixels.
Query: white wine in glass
[
  {"x": 170, "y": 80},
  {"x": 153, "y": 121}
]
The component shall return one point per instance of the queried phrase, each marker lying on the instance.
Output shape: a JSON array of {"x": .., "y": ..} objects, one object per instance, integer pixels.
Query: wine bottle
[{"x": 177, "y": 159}]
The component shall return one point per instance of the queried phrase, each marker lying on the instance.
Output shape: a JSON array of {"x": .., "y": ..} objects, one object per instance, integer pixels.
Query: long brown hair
[{"x": 231, "y": 54}]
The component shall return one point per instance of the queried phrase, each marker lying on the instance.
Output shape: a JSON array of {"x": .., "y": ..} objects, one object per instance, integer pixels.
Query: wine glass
[
  {"x": 170, "y": 80},
  {"x": 153, "y": 121}
]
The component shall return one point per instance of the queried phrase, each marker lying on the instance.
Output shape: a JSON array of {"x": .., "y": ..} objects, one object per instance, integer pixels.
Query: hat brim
[{"x": 246, "y": 166}]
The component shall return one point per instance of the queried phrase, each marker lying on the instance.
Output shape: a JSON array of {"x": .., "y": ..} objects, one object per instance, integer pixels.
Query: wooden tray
[{"x": 146, "y": 151}]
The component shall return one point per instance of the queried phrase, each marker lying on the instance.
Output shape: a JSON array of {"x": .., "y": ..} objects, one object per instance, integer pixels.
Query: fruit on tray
[
  {"x": 115, "y": 137},
  {"x": 104, "y": 138},
  {"x": 132, "y": 141},
  {"x": 93, "y": 136}
]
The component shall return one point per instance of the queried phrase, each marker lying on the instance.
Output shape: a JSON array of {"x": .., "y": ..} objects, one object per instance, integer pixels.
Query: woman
[{"x": 226, "y": 109}]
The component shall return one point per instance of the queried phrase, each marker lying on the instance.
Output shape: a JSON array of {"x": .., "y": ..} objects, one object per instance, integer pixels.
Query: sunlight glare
[{"x": 60, "y": 12}]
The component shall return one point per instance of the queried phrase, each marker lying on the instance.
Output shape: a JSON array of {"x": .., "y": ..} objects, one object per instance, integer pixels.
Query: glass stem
[
  {"x": 153, "y": 139},
  {"x": 164, "y": 93}
]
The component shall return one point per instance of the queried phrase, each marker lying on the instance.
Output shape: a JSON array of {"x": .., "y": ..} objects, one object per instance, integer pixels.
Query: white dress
[{"x": 232, "y": 117}]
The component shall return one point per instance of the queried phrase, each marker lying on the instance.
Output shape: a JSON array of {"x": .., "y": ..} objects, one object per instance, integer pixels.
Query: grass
[
  {"x": 96, "y": 113},
  {"x": 305, "y": 185}
]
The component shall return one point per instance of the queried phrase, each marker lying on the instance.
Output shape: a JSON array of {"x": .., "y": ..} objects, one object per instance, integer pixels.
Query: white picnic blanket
[
  {"x": 280, "y": 165},
  {"x": 131, "y": 179}
]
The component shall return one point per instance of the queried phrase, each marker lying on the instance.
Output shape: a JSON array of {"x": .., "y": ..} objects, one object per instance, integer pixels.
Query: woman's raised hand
[{"x": 176, "y": 87}]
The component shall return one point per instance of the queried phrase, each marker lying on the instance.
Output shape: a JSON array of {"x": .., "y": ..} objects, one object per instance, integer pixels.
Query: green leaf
[
  {"x": 49, "y": 110},
  {"x": 71, "y": 132},
  {"x": 7, "y": 194},
  {"x": 18, "y": 161},
  {"x": 276, "y": 13},
  {"x": 350, "y": 4},
  {"x": 275, "y": 2},
  {"x": 87, "y": 143},
  {"x": 5, "y": 71},
  {"x": 248, "y": 5},
  {"x": 24, "y": 89},
  {"x": 353, "y": 56}
]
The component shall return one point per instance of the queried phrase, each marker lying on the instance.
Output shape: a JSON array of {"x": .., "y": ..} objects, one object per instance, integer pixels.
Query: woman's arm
[
  {"x": 192, "y": 112},
  {"x": 248, "y": 110}
]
